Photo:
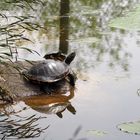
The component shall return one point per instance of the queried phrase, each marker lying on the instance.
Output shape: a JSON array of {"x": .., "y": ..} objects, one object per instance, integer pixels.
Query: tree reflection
[
  {"x": 56, "y": 103},
  {"x": 110, "y": 49},
  {"x": 64, "y": 26},
  {"x": 16, "y": 122},
  {"x": 89, "y": 19}
]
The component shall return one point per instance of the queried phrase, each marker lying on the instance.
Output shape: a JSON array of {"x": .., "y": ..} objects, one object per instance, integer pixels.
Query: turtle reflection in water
[
  {"x": 50, "y": 72},
  {"x": 54, "y": 104},
  {"x": 56, "y": 108}
]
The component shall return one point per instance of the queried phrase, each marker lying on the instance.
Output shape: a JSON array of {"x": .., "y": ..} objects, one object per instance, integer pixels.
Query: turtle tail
[{"x": 70, "y": 58}]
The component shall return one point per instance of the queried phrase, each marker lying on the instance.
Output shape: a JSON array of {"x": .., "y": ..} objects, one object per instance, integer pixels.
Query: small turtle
[
  {"x": 55, "y": 56},
  {"x": 52, "y": 70}
]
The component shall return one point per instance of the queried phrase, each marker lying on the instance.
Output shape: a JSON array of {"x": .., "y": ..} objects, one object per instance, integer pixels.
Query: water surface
[{"x": 107, "y": 67}]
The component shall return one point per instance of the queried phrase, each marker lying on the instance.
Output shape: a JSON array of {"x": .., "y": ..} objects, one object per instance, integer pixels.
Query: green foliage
[
  {"x": 130, "y": 127},
  {"x": 96, "y": 133},
  {"x": 130, "y": 21}
]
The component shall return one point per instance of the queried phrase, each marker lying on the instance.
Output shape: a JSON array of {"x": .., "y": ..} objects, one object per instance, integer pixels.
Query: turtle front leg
[{"x": 72, "y": 78}]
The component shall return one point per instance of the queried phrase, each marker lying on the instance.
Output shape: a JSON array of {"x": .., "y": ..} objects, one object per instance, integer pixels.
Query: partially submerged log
[{"x": 12, "y": 81}]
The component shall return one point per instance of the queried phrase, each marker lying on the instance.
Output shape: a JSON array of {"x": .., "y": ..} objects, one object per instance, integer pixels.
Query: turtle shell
[{"x": 48, "y": 71}]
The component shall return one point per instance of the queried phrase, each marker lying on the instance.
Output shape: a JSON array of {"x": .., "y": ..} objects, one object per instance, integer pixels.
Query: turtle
[{"x": 52, "y": 70}]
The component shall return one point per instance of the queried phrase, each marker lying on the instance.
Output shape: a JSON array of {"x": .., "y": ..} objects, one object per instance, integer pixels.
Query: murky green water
[{"x": 107, "y": 67}]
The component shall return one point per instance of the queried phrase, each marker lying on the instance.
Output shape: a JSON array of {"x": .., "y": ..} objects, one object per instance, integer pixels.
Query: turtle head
[{"x": 70, "y": 58}]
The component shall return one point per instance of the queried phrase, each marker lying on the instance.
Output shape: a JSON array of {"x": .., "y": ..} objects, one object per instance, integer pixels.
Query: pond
[{"x": 106, "y": 93}]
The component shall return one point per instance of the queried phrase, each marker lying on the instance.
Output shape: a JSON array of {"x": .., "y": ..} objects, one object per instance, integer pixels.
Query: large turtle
[{"x": 52, "y": 70}]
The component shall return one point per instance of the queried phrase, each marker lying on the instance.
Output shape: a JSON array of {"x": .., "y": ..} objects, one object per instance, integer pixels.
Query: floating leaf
[
  {"x": 131, "y": 21},
  {"x": 96, "y": 133},
  {"x": 130, "y": 127}
]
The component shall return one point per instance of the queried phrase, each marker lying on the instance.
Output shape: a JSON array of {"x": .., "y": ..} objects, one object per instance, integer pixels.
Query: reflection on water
[
  {"x": 52, "y": 104},
  {"x": 19, "y": 121},
  {"x": 64, "y": 25},
  {"x": 23, "y": 119},
  {"x": 107, "y": 65}
]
